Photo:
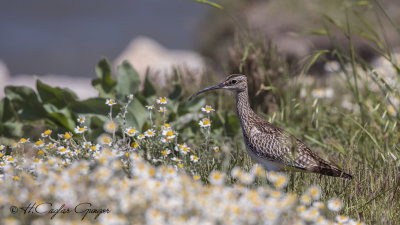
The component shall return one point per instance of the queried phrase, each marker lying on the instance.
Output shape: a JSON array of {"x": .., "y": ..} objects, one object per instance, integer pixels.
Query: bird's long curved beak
[{"x": 217, "y": 86}]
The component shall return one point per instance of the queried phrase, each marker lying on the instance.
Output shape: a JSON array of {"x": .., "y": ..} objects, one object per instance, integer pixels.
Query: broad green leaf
[
  {"x": 25, "y": 102},
  {"x": 105, "y": 83},
  {"x": 94, "y": 106},
  {"x": 7, "y": 112},
  {"x": 128, "y": 80},
  {"x": 12, "y": 129},
  {"x": 148, "y": 89},
  {"x": 137, "y": 115},
  {"x": 69, "y": 96},
  {"x": 95, "y": 124},
  {"x": 64, "y": 118},
  {"x": 50, "y": 95},
  {"x": 50, "y": 108}
]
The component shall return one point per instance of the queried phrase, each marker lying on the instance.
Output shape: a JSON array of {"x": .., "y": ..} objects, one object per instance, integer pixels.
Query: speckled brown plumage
[{"x": 271, "y": 146}]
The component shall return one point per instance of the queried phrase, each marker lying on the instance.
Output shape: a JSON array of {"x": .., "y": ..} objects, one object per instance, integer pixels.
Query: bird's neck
[{"x": 243, "y": 109}]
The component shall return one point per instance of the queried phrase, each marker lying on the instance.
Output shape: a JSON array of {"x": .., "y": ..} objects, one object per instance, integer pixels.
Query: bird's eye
[{"x": 233, "y": 82}]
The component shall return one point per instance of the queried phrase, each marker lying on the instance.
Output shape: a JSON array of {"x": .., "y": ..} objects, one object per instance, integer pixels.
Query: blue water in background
[{"x": 69, "y": 37}]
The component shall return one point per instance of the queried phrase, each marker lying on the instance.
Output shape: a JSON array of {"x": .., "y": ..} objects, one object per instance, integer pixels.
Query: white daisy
[
  {"x": 80, "y": 130},
  {"x": 335, "y": 204},
  {"x": 194, "y": 158},
  {"x": 110, "y": 102},
  {"x": 162, "y": 100},
  {"x": 150, "y": 133},
  {"x": 130, "y": 132},
  {"x": 110, "y": 126},
  {"x": 81, "y": 119},
  {"x": 46, "y": 133},
  {"x": 207, "y": 109},
  {"x": 205, "y": 123},
  {"x": 216, "y": 178}
]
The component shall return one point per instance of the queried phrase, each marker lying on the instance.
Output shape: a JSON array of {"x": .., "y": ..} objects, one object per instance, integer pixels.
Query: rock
[
  {"x": 143, "y": 53},
  {"x": 4, "y": 77}
]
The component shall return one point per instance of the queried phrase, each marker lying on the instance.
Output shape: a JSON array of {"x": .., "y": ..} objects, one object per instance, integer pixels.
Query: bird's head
[{"x": 234, "y": 82}]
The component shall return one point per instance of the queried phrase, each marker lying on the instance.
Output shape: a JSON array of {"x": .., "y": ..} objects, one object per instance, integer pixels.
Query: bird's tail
[{"x": 329, "y": 170}]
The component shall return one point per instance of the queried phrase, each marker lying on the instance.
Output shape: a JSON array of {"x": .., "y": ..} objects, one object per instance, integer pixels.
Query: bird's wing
[{"x": 276, "y": 144}]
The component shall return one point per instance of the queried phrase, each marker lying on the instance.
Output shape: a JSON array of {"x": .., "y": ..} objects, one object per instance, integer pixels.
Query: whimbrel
[{"x": 272, "y": 147}]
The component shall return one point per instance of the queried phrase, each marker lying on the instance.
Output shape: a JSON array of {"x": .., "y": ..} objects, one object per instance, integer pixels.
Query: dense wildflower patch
[{"x": 113, "y": 181}]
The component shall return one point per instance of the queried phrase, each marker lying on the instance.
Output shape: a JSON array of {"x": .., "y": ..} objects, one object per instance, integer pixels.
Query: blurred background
[
  {"x": 63, "y": 37},
  {"x": 67, "y": 39},
  {"x": 62, "y": 40}
]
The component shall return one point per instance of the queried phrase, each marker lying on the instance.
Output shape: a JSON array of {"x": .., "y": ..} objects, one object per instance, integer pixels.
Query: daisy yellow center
[
  {"x": 170, "y": 133},
  {"x": 47, "y": 132},
  {"x": 280, "y": 182},
  {"x": 306, "y": 198},
  {"x": 164, "y": 152},
  {"x": 40, "y": 152},
  {"x": 216, "y": 149},
  {"x": 134, "y": 144},
  {"x": 150, "y": 133},
  {"x": 127, "y": 154},
  {"x": 1, "y": 155},
  {"x": 93, "y": 147},
  {"x": 141, "y": 136},
  {"x": 276, "y": 194},
  {"x": 106, "y": 140},
  {"x": 208, "y": 109},
  {"x": 16, "y": 178},
  {"x": 166, "y": 125},
  {"x": 185, "y": 149},
  {"x": 301, "y": 208},
  {"x": 180, "y": 165},
  {"x": 314, "y": 192},
  {"x": 217, "y": 176},
  {"x": 39, "y": 142},
  {"x": 152, "y": 172},
  {"x": 22, "y": 140},
  {"x": 195, "y": 158},
  {"x": 10, "y": 159},
  {"x": 111, "y": 102},
  {"x": 163, "y": 100},
  {"x": 111, "y": 126},
  {"x": 196, "y": 177},
  {"x": 63, "y": 150},
  {"x": 206, "y": 122},
  {"x": 36, "y": 160},
  {"x": 81, "y": 129},
  {"x": 336, "y": 203},
  {"x": 67, "y": 135},
  {"x": 132, "y": 131}
]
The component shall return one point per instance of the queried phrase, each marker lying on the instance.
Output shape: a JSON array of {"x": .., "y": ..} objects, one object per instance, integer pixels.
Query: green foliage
[{"x": 58, "y": 108}]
